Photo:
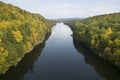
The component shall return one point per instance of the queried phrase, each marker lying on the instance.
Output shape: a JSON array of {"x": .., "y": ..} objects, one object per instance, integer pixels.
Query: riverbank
[
  {"x": 101, "y": 36},
  {"x": 19, "y": 33}
]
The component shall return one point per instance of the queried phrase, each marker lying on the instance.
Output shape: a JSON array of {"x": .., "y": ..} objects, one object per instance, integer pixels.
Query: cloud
[{"x": 66, "y": 9}]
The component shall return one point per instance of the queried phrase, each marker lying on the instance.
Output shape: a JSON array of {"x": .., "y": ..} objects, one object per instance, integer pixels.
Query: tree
[{"x": 17, "y": 35}]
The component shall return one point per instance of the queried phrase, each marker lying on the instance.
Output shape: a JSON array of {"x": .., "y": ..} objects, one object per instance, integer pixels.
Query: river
[{"x": 62, "y": 57}]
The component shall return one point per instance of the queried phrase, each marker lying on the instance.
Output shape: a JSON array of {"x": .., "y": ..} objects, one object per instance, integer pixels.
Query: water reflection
[
  {"x": 26, "y": 65},
  {"x": 105, "y": 69},
  {"x": 59, "y": 60}
]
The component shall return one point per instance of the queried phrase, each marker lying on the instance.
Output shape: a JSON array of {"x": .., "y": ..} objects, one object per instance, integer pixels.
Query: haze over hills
[{"x": 66, "y": 19}]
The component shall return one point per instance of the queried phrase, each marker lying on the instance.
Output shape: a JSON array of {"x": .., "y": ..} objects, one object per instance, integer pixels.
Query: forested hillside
[
  {"x": 101, "y": 34},
  {"x": 20, "y": 31}
]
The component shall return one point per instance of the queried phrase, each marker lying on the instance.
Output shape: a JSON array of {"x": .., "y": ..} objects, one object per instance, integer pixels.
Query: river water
[{"x": 62, "y": 57}]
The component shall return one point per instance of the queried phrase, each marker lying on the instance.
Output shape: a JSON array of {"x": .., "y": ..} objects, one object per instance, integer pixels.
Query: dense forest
[
  {"x": 101, "y": 34},
  {"x": 20, "y": 31}
]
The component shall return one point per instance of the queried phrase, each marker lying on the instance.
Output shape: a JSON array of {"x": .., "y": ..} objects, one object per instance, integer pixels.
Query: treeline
[
  {"x": 20, "y": 31},
  {"x": 101, "y": 34}
]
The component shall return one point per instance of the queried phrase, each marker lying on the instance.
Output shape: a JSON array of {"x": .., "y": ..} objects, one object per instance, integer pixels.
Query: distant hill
[{"x": 66, "y": 19}]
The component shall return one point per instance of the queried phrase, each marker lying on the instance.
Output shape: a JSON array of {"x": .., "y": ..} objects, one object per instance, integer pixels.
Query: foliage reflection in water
[
  {"x": 62, "y": 57},
  {"x": 105, "y": 69}
]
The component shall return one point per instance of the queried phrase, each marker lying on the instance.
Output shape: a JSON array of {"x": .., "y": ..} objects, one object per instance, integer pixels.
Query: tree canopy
[
  {"x": 101, "y": 34},
  {"x": 20, "y": 31}
]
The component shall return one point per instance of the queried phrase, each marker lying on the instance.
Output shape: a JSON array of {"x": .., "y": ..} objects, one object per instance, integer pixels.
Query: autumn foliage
[
  {"x": 20, "y": 31},
  {"x": 101, "y": 34}
]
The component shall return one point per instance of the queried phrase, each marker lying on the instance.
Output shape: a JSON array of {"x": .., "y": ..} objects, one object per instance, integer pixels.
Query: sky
[{"x": 54, "y": 9}]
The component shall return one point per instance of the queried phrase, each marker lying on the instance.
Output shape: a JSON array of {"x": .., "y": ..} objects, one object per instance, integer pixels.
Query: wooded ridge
[
  {"x": 101, "y": 34},
  {"x": 20, "y": 31}
]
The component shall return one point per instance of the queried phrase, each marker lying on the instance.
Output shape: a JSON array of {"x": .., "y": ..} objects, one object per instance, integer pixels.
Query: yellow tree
[
  {"x": 17, "y": 35},
  {"x": 109, "y": 31}
]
